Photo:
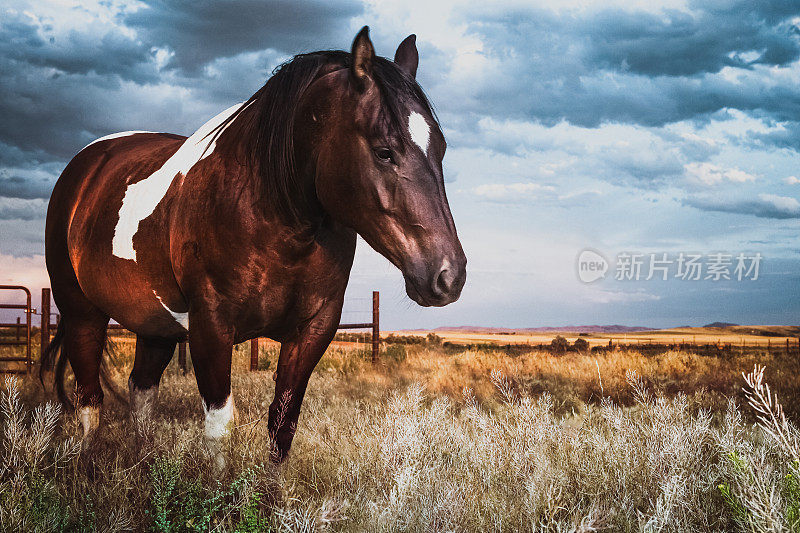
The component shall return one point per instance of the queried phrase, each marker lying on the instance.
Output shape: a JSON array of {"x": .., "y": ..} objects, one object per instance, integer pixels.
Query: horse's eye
[{"x": 384, "y": 154}]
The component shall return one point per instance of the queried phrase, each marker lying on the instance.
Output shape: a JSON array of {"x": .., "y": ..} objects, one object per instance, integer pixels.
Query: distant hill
[
  {"x": 733, "y": 329},
  {"x": 616, "y": 328},
  {"x": 768, "y": 331},
  {"x": 712, "y": 328}
]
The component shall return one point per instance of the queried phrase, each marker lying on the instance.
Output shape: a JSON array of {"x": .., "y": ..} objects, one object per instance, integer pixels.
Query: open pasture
[
  {"x": 737, "y": 336},
  {"x": 430, "y": 439}
]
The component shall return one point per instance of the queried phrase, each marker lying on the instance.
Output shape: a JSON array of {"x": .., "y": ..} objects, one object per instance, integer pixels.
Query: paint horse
[{"x": 248, "y": 229}]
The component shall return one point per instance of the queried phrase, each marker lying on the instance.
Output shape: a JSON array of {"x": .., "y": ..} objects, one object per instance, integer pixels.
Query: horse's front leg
[
  {"x": 211, "y": 345},
  {"x": 297, "y": 360}
]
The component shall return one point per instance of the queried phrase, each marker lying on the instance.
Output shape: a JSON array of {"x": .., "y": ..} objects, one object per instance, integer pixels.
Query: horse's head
[{"x": 379, "y": 167}]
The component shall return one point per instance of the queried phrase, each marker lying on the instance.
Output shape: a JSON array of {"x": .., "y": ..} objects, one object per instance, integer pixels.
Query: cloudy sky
[{"x": 638, "y": 127}]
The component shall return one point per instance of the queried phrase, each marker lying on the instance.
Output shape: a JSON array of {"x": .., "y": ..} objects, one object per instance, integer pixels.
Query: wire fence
[{"x": 359, "y": 328}]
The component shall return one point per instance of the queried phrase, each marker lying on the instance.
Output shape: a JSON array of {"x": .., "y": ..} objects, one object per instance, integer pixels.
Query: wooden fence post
[
  {"x": 17, "y": 329},
  {"x": 376, "y": 330},
  {"x": 44, "y": 334},
  {"x": 254, "y": 354},
  {"x": 28, "y": 313}
]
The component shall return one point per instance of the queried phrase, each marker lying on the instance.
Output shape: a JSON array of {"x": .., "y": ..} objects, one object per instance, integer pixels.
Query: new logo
[{"x": 591, "y": 266}]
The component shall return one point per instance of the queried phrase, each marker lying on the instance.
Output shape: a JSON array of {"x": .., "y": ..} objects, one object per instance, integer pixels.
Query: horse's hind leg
[
  {"x": 84, "y": 340},
  {"x": 82, "y": 329},
  {"x": 153, "y": 354}
]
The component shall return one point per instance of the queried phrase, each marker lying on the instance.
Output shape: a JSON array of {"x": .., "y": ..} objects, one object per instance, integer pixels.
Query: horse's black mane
[{"x": 269, "y": 142}]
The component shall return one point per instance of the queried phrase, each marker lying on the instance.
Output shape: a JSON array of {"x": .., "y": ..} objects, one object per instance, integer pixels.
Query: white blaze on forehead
[
  {"x": 419, "y": 130},
  {"x": 180, "y": 318},
  {"x": 219, "y": 421},
  {"x": 141, "y": 198},
  {"x": 115, "y": 136}
]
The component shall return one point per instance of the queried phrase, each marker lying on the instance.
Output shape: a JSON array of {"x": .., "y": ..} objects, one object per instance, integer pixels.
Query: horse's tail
[
  {"x": 54, "y": 356},
  {"x": 112, "y": 352}
]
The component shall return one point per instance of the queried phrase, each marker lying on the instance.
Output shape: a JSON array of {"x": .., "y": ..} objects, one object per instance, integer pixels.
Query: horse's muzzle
[{"x": 437, "y": 286}]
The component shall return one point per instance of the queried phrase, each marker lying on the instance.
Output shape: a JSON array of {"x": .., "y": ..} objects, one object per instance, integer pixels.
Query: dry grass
[
  {"x": 427, "y": 441},
  {"x": 575, "y": 378}
]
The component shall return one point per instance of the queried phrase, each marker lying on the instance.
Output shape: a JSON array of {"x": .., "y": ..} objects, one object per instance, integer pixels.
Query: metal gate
[{"x": 16, "y": 334}]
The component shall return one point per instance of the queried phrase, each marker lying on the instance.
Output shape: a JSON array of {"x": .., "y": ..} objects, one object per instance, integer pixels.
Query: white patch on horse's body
[
  {"x": 219, "y": 421},
  {"x": 141, "y": 198},
  {"x": 180, "y": 318},
  {"x": 116, "y": 135},
  {"x": 419, "y": 130}
]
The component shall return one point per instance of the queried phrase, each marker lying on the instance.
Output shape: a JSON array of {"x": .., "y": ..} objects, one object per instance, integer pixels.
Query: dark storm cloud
[
  {"x": 60, "y": 89},
  {"x": 677, "y": 43},
  {"x": 771, "y": 11},
  {"x": 49, "y": 118},
  {"x": 200, "y": 31},
  {"x": 637, "y": 67},
  {"x": 788, "y": 137},
  {"x": 765, "y": 206},
  {"x": 27, "y": 188},
  {"x": 57, "y": 85},
  {"x": 50, "y": 115},
  {"x": 25, "y": 42}
]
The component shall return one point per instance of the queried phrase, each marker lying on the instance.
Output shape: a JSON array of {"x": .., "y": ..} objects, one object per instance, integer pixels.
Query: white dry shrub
[
  {"x": 423, "y": 463},
  {"x": 764, "y": 491},
  {"x": 30, "y": 456}
]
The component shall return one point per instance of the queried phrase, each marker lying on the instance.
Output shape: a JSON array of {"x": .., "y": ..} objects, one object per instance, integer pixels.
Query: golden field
[
  {"x": 432, "y": 438},
  {"x": 749, "y": 336}
]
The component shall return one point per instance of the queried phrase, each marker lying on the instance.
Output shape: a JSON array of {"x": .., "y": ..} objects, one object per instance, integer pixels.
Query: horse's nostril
[{"x": 444, "y": 282}]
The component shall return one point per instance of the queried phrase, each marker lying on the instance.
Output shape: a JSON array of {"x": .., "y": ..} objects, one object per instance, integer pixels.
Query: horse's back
[
  {"x": 83, "y": 215},
  {"x": 101, "y": 167}
]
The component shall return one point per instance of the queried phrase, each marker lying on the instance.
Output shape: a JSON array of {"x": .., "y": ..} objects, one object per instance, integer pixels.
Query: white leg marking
[
  {"x": 141, "y": 198},
  {"x": 219, "y": 421},
  {"x": 115, "y": 136},
  {"x": 180, "y": 318},
  {"x": 419, "y": 130},
  {"x": 90, "y": 418}
]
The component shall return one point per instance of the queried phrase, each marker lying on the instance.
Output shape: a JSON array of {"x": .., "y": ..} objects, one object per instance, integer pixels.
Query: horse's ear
[
  {"x": 407, "y": 57},
  {"x": 363, "y": 56}
]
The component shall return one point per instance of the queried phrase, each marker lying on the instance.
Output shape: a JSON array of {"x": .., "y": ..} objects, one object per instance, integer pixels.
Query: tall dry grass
[
  {"x": 428, "y": 441},
  {"x": 574, "y": 378}
]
